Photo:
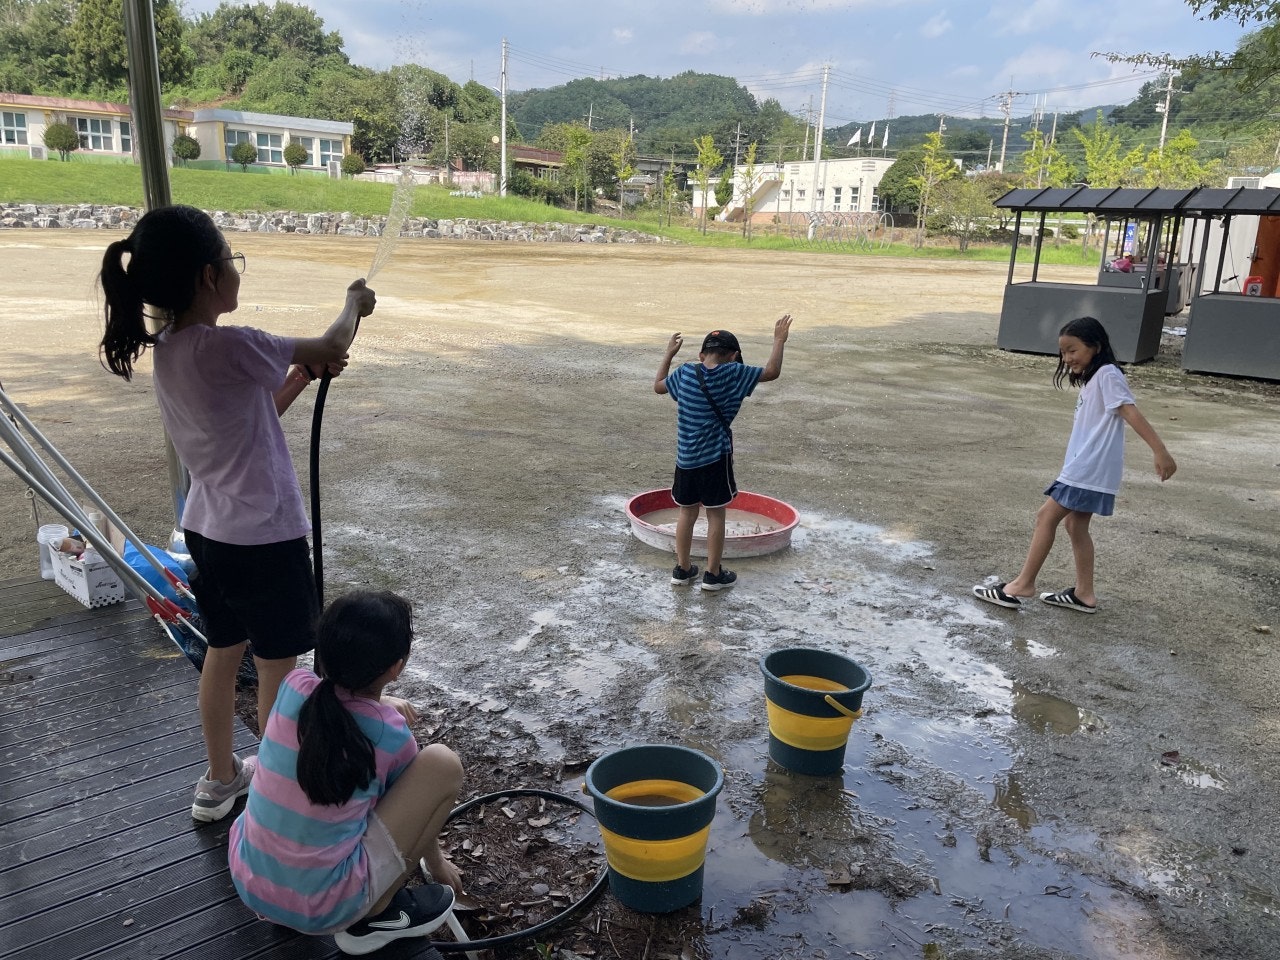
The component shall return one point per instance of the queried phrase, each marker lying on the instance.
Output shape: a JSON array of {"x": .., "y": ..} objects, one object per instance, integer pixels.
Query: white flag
[
  {"x": 871, "y": 137},
  {"x": 855, "y": 139},
  {"x": 885, "y": 144}
]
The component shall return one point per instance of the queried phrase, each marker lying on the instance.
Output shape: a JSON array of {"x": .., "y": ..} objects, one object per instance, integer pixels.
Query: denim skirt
[{"x": 1082, "y": 501}]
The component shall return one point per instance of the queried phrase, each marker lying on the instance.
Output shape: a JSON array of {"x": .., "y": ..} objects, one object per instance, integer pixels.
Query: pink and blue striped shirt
[{"x": 296, "y": 863}]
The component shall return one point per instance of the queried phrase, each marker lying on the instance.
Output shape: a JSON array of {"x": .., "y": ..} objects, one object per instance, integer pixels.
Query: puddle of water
[
  {"x": 614, "y": 628},
  {"x": 1196, "y": 774},
  {"x": 1045, "y": 713},
  {"x": 541, "y": 619}
]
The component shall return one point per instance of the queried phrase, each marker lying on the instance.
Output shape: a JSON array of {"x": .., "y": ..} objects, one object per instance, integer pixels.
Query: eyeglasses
[{"x": 237, "y": 259}]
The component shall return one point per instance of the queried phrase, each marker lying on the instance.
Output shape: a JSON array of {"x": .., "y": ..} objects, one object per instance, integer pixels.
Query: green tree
[
  {"x": 63, "y": 138},
  {"x": 748, "y": 189},
  {"x": 1043, "y": 164},
  {"x": 935, "y": 167},
  {"x": 709, "y": 159},
  {"x": 1176, "y": 165},
  {"x": 897, "y": 188},
  {"x": 724, "y": 188},
  {"x": 623, "y": 169},
  {"x": 267, "y": 31},
  {"x": 1257, "y": 58},
  {"x": 244, "y": 153},
  {"x": 186, "y": 148},
  {"x": 295, "y": 155},
  {"x": 99, "y": 55},
  {"x": 352, "y": 164},
  {"x": 963, "y": 207},
  {"x": 1105, "y": 165},
  {"x": 237, "y": 67}
]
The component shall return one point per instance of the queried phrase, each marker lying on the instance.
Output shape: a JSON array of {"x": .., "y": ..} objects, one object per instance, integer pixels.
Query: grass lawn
[{"x": 51, "y": 181}]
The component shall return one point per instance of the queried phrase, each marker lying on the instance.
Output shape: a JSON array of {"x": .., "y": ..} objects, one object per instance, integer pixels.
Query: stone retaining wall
[{"x": 96, "y": 217}]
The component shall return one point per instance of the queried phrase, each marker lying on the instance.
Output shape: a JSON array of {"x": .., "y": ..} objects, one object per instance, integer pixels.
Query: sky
[{"x": 886, "y": 57}]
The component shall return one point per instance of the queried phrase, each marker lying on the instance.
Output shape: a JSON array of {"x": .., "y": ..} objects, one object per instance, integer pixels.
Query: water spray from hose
[{"x": 401, "y": 201}]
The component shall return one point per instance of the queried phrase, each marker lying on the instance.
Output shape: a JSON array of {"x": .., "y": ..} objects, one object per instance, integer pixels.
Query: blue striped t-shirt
[{"x": 700, "y": 439}]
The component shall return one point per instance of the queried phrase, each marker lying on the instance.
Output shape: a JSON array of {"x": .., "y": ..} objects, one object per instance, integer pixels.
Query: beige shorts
[{"x": 386, "y": 863}]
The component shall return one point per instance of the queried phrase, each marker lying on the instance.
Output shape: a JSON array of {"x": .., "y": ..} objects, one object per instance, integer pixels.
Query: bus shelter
[
  {"x": 1234, "y": 324},
  {"x": 1143, "y": 275}
]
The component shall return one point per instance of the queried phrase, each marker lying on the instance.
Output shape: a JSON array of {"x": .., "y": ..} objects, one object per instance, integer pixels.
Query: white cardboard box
[{"x": 94, "y": 584}]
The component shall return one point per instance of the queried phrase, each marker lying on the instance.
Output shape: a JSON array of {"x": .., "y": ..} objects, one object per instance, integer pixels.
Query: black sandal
[
  {"x": 1067, "y": 598},
  {"x": 995, "y": 594}
]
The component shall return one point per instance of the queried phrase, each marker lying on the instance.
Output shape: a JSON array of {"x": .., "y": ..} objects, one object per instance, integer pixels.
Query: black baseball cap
[{"x": 721, "y": 341}]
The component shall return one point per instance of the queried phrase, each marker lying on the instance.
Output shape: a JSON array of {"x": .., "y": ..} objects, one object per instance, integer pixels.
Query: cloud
[
  {"x": 764, "y": 8},
  {"x": 700, "y": 42},
  {"x": 936, "y": 26},
  {"x": 1019, "y": 19}
]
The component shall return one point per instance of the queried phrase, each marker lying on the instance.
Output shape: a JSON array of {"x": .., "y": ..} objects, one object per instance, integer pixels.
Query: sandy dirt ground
[{"x": 1031, "y": 783}]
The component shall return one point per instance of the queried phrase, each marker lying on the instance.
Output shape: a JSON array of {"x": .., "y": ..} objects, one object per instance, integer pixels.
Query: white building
[
  {"x": 219, "y": 131},
  {"x": 106, "y": 129},
  {"x": 799, "y": 188},
  {"x": 107, "y": 132}
]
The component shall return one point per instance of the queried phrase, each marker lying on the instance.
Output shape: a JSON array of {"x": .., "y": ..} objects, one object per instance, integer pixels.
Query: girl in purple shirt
[{"x": 221, "y": 391}]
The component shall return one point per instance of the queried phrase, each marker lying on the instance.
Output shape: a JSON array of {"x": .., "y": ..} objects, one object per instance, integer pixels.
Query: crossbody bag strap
[{"x": 715, "y": 408}]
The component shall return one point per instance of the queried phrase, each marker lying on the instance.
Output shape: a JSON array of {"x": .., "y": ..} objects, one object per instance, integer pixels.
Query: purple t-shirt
[{"x": 215, "y": 387}]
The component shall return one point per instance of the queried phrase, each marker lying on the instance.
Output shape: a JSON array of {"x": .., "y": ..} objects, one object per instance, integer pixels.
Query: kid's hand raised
[
  {"x": 674, "y": 344},
  {"x": 362, "y": 296},
  {"x": 782, "y": 328}
]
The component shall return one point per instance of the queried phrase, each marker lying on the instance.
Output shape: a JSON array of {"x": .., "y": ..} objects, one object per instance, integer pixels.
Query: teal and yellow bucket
[
  {"x": 812, "y": 697},
  {"x": 655, "y": 805}
]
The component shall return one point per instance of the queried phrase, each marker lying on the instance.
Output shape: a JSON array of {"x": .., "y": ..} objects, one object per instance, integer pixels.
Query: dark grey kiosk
[
  {"x": 1130, "y": 299},
  {"x": 1228, "y": 332}
]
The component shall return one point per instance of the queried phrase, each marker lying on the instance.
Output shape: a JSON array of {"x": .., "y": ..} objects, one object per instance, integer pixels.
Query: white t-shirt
[{"x": 1095, "y": 452}]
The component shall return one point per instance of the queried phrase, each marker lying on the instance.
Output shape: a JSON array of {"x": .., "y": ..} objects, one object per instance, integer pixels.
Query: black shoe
[
  {"x": 719, "y": 581},
  {"x": 681, "y": 577},
  {"x": 411, "y": 913}
]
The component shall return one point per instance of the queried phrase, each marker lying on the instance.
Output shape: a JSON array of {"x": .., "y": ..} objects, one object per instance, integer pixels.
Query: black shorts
[
  {"x": 710, "y": 486},
  {"x": 265, "y": 594}
]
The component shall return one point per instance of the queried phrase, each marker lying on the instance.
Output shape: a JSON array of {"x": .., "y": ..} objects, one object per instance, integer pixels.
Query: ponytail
[
  {"x": 360, "y": 636},
  {"x": 335, "y": 758},
  {"x": 126, "y": 334},
  {"x": 167, "y": 250}
]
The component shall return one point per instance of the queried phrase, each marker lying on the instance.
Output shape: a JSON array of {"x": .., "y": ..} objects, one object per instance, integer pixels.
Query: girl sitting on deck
[{"x": 344, "y": 804}]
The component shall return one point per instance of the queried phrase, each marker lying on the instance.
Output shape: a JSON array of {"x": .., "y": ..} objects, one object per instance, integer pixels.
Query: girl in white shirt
[{"x": 1090, "y": 476}]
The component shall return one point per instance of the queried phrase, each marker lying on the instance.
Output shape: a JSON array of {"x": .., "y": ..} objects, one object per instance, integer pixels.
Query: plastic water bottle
[{"x": 50, "y": 532}]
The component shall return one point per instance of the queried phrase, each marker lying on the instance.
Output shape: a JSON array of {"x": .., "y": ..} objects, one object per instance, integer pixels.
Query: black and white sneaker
[
  {"x": 682, "y": 577},
  {"x": 411, "y": 913},
  {"x": 719, "y": 581}
]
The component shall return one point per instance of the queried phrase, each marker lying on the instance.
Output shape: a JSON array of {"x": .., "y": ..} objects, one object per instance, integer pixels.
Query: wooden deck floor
[{"x": 100, "y": 749}]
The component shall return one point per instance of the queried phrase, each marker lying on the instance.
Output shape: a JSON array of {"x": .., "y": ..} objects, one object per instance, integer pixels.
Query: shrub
[
  {"x": 295, "y": 155},
  {"x": 61, "y": 137},
  {"x": 1069, "y": 231},
  {"x": 244, "y": 153},
  {"x": 353, "y": 164},
  {"x": 186, "y": 148}
]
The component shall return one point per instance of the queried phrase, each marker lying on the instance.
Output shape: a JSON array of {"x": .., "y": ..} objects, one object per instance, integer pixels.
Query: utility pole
[
  {"x": 990, "y": 146},
  {"x": 1168, "y": 102},
  {"x": 808, "y": 121},
  {"x": 448, "y": 163},
  {"x": 590, "y": 114},
  {"x": 942, "y": 123},
  {"x": 502, "y": 134},
  {"x": 1006, "y": 107},
  {"x": 737, "y": 143},
  {"x": 817, "y": 139}
]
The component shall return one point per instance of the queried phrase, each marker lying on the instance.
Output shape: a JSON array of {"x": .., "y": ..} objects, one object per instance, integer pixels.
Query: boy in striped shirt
[{"x": 708, "y": 395}]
